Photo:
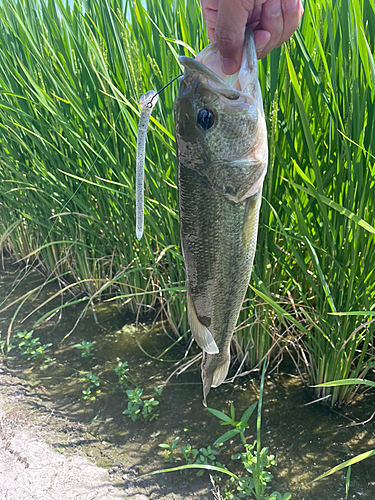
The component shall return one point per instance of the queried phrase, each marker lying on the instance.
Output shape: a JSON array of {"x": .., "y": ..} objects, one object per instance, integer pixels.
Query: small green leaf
[
  {"x": 219, "y": 415},
  {"x": 226, "y": 436},
  {"x": 247, "y": 414},
  {"x": 347, "y": 381},
  {"x": 175, "y": 442},
  {"x": 349, "y": 462},
  {"x": 232, "y": 412},
  {"x": 347, "y": 482}
]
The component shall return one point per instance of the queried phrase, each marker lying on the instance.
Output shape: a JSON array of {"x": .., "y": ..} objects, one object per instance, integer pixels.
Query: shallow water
[{"x": 306, "y": 440}]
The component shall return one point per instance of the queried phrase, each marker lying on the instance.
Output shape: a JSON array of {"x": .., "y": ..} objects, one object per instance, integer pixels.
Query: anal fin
[{"x": 202, "y": 335}]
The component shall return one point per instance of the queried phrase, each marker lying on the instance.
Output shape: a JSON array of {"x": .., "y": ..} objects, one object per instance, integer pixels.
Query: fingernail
[
  {"x": 260, "y": 46},
  {"x": 261, "y": 40},
  {"x": 290, "y": 5},
  {"x": 229, "y": 66}
]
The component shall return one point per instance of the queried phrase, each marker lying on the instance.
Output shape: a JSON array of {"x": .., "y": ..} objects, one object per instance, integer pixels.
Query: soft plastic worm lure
[{"x": 147, "y": 102}]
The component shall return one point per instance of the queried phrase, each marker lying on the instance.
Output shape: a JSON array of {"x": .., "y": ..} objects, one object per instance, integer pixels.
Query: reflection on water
[{"x": 306, "y": 440}]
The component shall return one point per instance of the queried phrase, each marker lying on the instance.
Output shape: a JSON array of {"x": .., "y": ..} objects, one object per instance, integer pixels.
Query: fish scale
[{"x": 222, "y": 162}]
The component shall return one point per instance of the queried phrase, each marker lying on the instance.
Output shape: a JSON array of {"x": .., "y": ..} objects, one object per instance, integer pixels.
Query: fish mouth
[{"x": 208, "y": 64}]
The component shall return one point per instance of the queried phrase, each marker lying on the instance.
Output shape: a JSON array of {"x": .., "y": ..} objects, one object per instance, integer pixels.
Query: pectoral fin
[{"x": 201, "y": 333}]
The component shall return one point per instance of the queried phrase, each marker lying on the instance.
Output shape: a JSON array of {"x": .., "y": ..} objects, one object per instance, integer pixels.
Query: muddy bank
[
  {"x": 49, "y": 399},
  {"x": 32, "y": 468},
  {"x": 46, "y": 456}
]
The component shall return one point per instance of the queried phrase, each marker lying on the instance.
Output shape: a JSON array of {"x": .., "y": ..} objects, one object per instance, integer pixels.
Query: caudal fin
[
  {"x": 214, "y": 371},
  {"x": 220, "y": 373},
  {"x": 202, "y": 335}
]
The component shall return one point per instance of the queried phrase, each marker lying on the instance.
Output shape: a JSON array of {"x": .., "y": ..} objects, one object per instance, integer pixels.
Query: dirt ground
[{"x": 42, "y": 456}]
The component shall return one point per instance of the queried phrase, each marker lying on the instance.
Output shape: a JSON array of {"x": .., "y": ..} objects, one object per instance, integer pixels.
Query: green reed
[
  {"x": 70, "y": 81},
  {"x": 320, "y": 188},
  {"x": 69, "y": 115}
]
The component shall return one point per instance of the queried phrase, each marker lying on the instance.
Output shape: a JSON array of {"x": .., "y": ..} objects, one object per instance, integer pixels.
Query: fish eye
[{"x": 205, "y": 118}]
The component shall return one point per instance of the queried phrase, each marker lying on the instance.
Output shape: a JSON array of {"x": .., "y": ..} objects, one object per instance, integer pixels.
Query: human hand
[{"x": 271, "y": 21}]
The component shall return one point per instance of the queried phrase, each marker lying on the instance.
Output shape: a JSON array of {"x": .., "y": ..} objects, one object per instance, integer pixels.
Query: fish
[{"x": 222, "y": 153}]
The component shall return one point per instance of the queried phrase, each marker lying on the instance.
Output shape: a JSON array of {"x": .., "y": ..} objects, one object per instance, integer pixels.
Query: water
[{"x": 306, "y": 440}]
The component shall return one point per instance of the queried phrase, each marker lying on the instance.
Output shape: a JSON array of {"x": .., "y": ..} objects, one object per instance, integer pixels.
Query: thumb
[{"x": 230, "y": 32}]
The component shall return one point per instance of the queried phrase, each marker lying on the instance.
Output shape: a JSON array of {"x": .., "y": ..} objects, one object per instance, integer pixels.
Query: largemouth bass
[{"x": 222, "y": 161}]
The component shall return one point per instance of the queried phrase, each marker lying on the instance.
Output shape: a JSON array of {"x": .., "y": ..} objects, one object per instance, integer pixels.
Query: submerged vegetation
[
  {"x": 256, "y": 460},
  {"x": 70, "y": 80}
]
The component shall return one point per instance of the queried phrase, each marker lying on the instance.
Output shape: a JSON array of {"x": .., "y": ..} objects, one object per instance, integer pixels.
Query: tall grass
[
  {"x": 321, "y": 187},
  {"x": 70, "y": 80}
]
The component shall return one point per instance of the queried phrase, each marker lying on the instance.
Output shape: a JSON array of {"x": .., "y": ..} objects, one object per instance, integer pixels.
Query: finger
[
  {"x": 211, "y": 17},
  {"x": 272, "y": 21},
  {"x": 253, "y": 19},
  {"x": 261, "y": 39},
  {"x": 209, "y": 4},
  {"x": 211, "y": 34},
  {"x": 230, "y": 32},
  {"x": 209, "y": 12},
  {"x": 292, "y": 13},
  {"x": 211, "y": 20}
]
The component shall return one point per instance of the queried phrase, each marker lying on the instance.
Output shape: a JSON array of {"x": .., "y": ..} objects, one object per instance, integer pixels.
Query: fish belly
[{"x": 218, "y": 239}]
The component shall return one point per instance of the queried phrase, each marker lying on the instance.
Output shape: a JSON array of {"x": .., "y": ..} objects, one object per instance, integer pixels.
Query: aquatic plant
[
  {"x": 68, "y": 123},
  {"x": 86, "y": 348},
  {"x": 256, "y": 460},
  {"x": 69, "y": 102},
  {"x": 94, "y": 383},
  {"x": 30, "y": 347},
  {"x": 206, "y": 456},
  {"x": 122, "y": 371},
  {"x": 138, "y": 407},
  {"x": 318, "y": 223}
]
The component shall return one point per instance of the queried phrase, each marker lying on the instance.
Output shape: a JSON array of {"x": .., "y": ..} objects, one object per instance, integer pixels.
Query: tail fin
[
  {"x": 220, "y": 373},
  {"x": 202, "y": 335},
  {"x": 214, "y": 371}
]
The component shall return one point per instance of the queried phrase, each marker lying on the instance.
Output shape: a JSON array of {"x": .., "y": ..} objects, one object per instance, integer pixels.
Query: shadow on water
[{"x": 306, "y": 440}]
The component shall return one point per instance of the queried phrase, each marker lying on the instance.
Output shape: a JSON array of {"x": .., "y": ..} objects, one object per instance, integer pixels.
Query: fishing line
[
  {"x": 149, "y": 106},
  {"x": 147, "y": 103}
]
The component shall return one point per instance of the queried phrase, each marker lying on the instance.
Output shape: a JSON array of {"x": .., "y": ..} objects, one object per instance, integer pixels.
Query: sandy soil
[
  {"x": 30, "y": 468},
  {"x": 41, "y": 456}
]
